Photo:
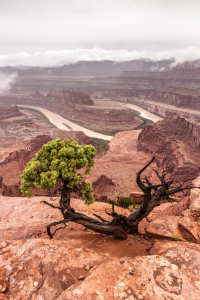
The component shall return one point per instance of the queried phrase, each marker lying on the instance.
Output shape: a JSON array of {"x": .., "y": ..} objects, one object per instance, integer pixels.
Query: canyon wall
[
  {"x": 175, "y": 99},
  {"x": 161, "y": 111},
  {"x": 11, "y": 168},
  {"x": 174, "y": 142},
  {"x": 8, "y": 111},
  {"x": 78, "y": 107}
]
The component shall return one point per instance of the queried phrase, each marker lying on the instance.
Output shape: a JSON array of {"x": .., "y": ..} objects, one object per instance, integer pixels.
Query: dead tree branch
[{"x": 121, "y": 225}]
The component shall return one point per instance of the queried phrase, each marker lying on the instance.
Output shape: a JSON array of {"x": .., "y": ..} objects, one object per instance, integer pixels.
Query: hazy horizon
[{"x": 52, "y": 33}]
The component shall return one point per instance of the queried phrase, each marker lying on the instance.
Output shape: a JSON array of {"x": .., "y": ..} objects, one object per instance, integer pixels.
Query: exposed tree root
[{"x": 121, "y": 225}]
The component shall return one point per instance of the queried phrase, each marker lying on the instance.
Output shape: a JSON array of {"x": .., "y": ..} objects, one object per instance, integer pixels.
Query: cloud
[
  {"x": 6, "y": 81},
  {"x": 65, "y": 57}
]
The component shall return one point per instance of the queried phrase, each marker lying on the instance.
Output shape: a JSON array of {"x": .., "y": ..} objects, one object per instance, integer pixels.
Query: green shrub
[
  {"x": 132, "y": 207},
  {"x": 176, "y": 237},
  {"x": 126, "y": 202}
]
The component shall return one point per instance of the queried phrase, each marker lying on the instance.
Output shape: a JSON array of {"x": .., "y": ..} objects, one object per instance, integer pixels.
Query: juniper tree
[
  {"x": 58, "y": 162},
  {"x": 56, "y": 165}
]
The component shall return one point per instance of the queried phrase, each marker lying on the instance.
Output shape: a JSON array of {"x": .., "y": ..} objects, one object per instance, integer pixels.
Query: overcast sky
[{"x": 36, "y": 27}]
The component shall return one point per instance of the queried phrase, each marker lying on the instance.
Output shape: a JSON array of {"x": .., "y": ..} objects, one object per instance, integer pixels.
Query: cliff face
[
  {"x": 175, "y": 99},
  {"x": 68, "y": 98},
  {"x": 79, "y": 108},
  {"x": 174, "y": 141},
  {"x": 9, "y": 111},
  {"x": 11, "y": 168},
  {"x": 162, "y": 111}
]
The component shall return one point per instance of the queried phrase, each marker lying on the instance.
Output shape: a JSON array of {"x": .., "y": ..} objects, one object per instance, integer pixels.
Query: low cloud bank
[
  {"x": 6, "y": 81},
  {"x": 64, "y": 57}
]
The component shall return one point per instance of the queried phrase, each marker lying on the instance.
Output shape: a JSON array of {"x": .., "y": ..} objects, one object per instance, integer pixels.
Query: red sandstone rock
[
  {"x": 23, "y": 218},
  {"x": 68, "y": 98},
  {"x": 102, "y": 186},
  {"x": 43, "y": 269},
  {"x": 11, "y": 168},
  {"x": 9, "y": 111},
  {"x": 137, "y": 197},
  {"x": 165, "y": 227},
  {"x": 174, "y": 275},
  {"x": 189, "y": 229},
  {"x": 195, "y": 196},
  {"x": 161, "y": 247},
  {"x": 78, "y": 107},
  {"x": 120, "y": 164},
  {"x": 173, "y": 141}
]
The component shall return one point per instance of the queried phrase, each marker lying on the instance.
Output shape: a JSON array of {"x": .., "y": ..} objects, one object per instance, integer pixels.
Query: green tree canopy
[{"x": 57, "y": 162}]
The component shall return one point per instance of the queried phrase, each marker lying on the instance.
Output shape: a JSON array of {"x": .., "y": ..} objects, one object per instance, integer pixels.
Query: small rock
[
  {"x": 81, "y": 277},
  {"x": 3, "y": 245},
  {"x": 122, "y": 260},
  {"x": 87, "y": 267}
]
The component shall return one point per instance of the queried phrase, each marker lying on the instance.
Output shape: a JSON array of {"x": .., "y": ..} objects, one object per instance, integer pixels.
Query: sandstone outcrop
[
  {"x": 17, "y": 131},
  {"x": 67, "y": 98},
  {"x": 79, "y": 265},
  {"x": 49, "y": 270},
  {"x": 79, "y": 108},
  {"x": 173, "y": 275},
  {"x": 165, "y": 112},
  {"x": 23, "y": 218},
  {"x": 173, "y": 141},
  {"x": 8, "y": 111},
  {"x": 11, "y": 168},
  {"x": 176, "y": 221}
]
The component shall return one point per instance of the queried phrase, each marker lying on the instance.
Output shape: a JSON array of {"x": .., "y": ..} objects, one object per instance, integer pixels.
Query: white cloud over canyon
[
  {"x": 6, "y": 81},
  {"x": 32, "y": 26},
  {"x": 64, "y": 57}
]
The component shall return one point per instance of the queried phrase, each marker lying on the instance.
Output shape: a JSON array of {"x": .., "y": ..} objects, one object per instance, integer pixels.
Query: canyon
[
  {"x": 101, "y": 116},
  {"x": 159, "y": 81},
  {"x": 22, "y": 134},
  {"x": 172, "y": 141},
  {"x": 162, "y": 261}
]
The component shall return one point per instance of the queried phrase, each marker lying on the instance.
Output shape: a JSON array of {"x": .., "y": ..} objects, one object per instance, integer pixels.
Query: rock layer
[
  {"x": 173, "y": 141},
  {"x": 78, "y": 108},
  {"x": 8, "y": 111}
]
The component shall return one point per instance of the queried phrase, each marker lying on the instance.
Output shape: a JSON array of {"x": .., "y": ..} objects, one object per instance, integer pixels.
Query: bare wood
[{"x": 121, "y": 225}]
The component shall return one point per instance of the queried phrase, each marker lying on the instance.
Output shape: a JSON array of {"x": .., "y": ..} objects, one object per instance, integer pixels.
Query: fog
[
  {"x": 59, "y": 58},
  {"x": 33, "y": 32},
  {"x": 6, "y": 81}
]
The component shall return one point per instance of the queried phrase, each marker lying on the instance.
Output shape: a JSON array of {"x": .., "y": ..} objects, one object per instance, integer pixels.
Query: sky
[{"x": 55, "y": 32}]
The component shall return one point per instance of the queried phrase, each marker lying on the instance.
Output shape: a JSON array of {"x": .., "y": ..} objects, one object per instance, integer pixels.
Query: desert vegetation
[{"x": 56, "y": 165}]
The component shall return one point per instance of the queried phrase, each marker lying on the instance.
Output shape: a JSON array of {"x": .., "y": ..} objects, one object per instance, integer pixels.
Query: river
[
  {"x": 58, "y": 121},
  {"x": 143, "y": 112}
]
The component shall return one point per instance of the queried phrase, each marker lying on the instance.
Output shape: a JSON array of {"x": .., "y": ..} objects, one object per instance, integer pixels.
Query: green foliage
[
  {"x": 126, "y": 202},
  {"x": 176, "y": 237},
  {"x": 134, "y": 206},
  {"x": 57, "y": 162},
  {"x": 91, "y": 231},
  {"x": 100, "y": 143},
  {"x": 67, "y": 125}
]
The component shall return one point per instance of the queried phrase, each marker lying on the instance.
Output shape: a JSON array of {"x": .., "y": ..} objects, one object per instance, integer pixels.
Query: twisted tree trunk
[
  {"x": 65, "y": 196},
  {"x": 120, "y": 225}
]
